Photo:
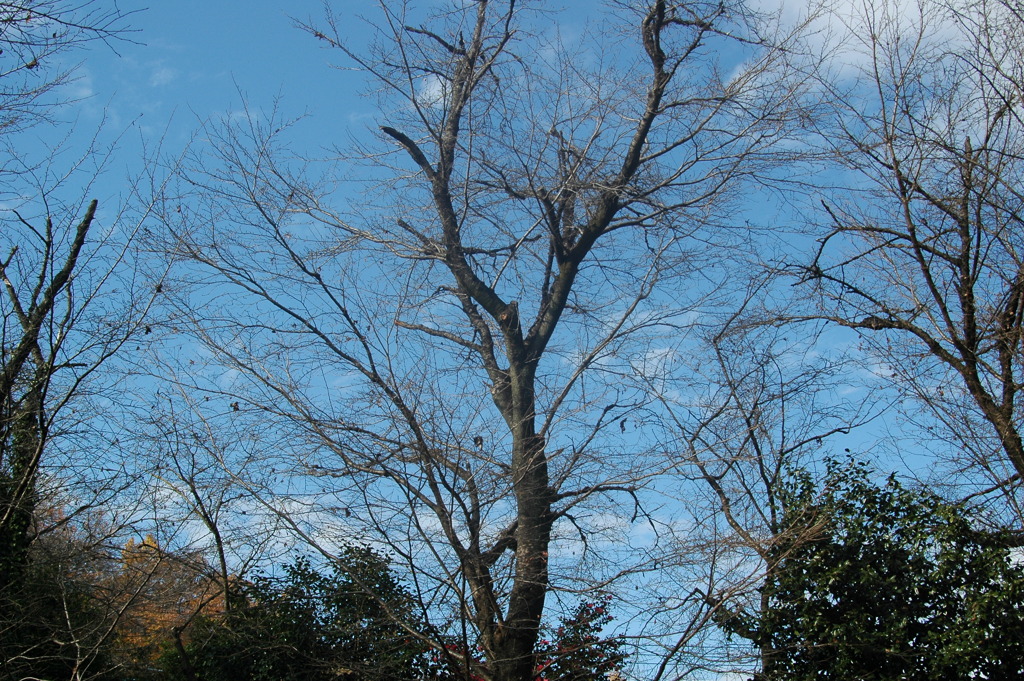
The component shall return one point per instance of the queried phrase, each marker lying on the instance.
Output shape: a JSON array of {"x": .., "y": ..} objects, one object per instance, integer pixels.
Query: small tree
[
  {"x": 885, "y": 583},
  {"x": 572, "y": 651},
  {"x": 576, "y": 651}
]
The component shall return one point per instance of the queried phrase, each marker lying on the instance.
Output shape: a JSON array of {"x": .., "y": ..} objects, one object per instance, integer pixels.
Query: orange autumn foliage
[{"x": 160, "y": 593}]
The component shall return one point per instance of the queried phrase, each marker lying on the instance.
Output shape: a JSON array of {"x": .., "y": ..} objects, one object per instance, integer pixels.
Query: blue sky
[
  {"x": 191, "y": 60},
  {"x": 187, "y": 61}
]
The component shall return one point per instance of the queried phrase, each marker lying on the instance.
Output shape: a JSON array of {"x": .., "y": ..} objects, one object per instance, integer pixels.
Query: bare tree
[
  {"x": 36, "y": 36},
  {"x": 69, "y": 306},
  {"x": 747, "y": 404},
  {"x": 921, "y": 250},
  {"x": 69, "y": 302},
  {"x": 443, "y": 361},
  {"x": 204, "y": 468}
]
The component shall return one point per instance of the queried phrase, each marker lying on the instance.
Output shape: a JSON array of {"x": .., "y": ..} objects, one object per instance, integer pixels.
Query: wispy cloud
[{"x": 162, "y": 75}]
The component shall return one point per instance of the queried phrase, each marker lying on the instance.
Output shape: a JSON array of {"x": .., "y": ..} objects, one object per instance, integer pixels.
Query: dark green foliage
[
  {"x": 21, "y": 435},
  {"x": 576, "y": 651},
  {"x": 872, "y": 582},
  {"x": 572, "y": 651},
  {"x": 52, "y": 627},
  {"x": 354, "y": 622}
]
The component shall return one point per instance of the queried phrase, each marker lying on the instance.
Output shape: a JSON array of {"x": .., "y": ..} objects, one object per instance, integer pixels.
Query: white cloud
[
  {"x": 431, "y": 91},
  {"x": 162, "y": 76}
]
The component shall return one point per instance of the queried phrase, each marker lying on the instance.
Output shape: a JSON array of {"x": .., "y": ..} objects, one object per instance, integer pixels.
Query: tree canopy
[
  {"x": 353, "y": 620},
  {"x": 884, "y": 582}
]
